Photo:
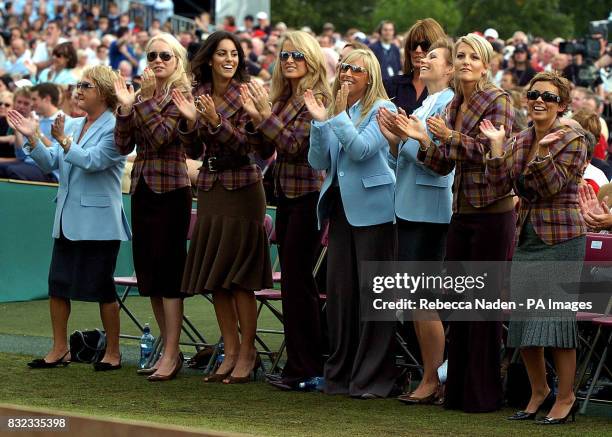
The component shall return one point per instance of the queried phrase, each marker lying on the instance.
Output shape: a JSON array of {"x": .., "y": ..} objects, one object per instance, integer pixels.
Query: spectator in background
[
  {"x": 6, "y": 141},
  {"x": 521, "y": 67},
  {"x": 43, "y": 55},
  {"x": 578, "y": 98},
  {"x": 559, "y": 63},
  {"x": 491, "y": 35},
  {"x": 18, "y": 59},
  {"x": 45, "y": 101},
  {"x": 163, "y": 10},
  {"x": 103, "y": 26},
  {"x": 61, "y": 71},
  {"x": 407, "y": 90},
  {"x": 253, "y": 68},
  {"x": 101, "y": 57},
  {"x": 496, "y": 71},
  {"x": 590, "y": 122},
  {"x": 122, "y": 49},
  {"x": 508, "y": 81},
  {"x": 263, "y": 28},
  {"x": 386, "y": 51},
  {"x": 248, "y": 25},
  {"x": 126, "y": 70}
]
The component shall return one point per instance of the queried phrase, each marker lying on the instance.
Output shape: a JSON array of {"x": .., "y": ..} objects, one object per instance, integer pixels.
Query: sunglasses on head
[
  {"x": 164, "y": 56},
  {"x": 297, "y": 56},
  {"x": 84, "y": 85},
  {"x": 424, "y": 45},
  {"x": 344, "y": 67},
  {"x": 547, "y": 96}
]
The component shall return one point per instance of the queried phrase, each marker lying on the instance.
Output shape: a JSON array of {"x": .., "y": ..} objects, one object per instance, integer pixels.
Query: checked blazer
[
  {"x": 466, "y": 149},
  {"x": 229, "y": 140},
  {"x": 547, "y": 186},
  {"x": 151, "y": 127},
  {"x": 287, "y": 130}
]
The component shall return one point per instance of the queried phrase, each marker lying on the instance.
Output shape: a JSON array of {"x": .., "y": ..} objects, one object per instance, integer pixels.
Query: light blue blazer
[
  {"x": 420, "y": 194},
  {"x": 89, "y": 200},
  {"x": 355, "y": 153}
]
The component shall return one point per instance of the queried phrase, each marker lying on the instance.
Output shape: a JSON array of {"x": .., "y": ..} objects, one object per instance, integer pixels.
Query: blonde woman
[
  {"x": 285, "y": 127},
  {"x": 357, "y": 199},
  {"x": 483, "y": 221},
  {"x": 89, "y": 220},
  {"x": 161, "y": 193}
]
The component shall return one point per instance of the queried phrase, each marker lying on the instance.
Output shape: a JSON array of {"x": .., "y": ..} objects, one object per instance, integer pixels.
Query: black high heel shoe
[
  {"x": 525, "y": 415},
  {"x": 552, "y": 421},
  {"x": 40, "y": 363},
  {"x": 244, "y": 379},
  {"x": 104, "y": 367}
]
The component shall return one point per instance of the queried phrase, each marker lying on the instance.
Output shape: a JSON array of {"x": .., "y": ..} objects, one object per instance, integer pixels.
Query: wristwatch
[{"x": 65, "y": 141}]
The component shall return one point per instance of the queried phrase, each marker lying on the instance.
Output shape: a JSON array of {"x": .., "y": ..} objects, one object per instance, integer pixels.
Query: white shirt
[
  {"x": 41, "y": 54},
  {"x": 596, "y": 175}
]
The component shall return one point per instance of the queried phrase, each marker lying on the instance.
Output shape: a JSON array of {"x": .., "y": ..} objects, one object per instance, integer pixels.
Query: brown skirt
[{"x": 229, "y": 247}]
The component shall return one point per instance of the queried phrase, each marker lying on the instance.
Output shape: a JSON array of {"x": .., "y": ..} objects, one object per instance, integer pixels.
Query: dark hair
[
  {"x": 122, "y": 31},
  {"x": 249, "y": 17},
  {"x": 57, "y": 22},
  {"x": 200, "y": 65},
  {"x": 247, "y": 41},
  {"x": 48, "y": 89},
  {"x": 382, "y": 23},
  {"x": 426, "y": 29},
  {"x": 66, "y": 50},
  {"x": 562, "y": 84}
]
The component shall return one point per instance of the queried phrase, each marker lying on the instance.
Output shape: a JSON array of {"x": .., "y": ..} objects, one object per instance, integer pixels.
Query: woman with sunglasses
[
  {"x": 407, "y": 90},
  {"x": 160, "y": 188},
  {"x": 423, "y": 201},
  {"x": 229, "y": 254},
  {"x": 482, "y": 214},
  {"x": 60, "y": 72},
  {"x": 285, "y": 127},
  {"x": 357, "y": 199},
  {"x": 89, "y": 219},
  {"x": 543, "y": 164}
]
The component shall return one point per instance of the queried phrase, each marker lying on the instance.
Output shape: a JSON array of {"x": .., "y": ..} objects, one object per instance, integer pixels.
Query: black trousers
[
  {"x": 361, "y": 352},
  {"x": 299, "y": 241},
  {"x": 473, "y": 380}
]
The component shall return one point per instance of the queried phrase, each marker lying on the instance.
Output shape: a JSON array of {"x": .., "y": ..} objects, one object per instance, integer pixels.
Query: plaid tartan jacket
[
  {"x": 287, "y": 130},
  {"x": 547, "y": 186},
  {"x": 230, "y": 140},
  {"x": 466, "y": 150},
  {"x": 160, "y": 156}
]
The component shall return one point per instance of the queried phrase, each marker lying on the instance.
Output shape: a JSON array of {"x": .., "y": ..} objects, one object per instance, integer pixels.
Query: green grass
[{"x": 254, "y": 408}]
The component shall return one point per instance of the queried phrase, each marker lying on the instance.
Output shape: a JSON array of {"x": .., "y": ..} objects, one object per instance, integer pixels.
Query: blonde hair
[
  {"x": 6, "y": 94},
  {"x": 375, "y": 89},
  {"x": 103, "y": 77},
  {"x": 485, "y": 51},
  {"x": 178, "y": 79},
  {"x": 316, "y": 76}
]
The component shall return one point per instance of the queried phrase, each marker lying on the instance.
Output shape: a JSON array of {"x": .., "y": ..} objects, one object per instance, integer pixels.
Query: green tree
[
  {"x": 584, "y": 11},
  {"x": 537, "y": 17},
  {"x": 405, "y": 12}
]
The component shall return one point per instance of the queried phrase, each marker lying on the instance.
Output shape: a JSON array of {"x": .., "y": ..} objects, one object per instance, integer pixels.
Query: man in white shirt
[
  {"x": 42, "y": 57},
  {"x": 17, "y": 63}
]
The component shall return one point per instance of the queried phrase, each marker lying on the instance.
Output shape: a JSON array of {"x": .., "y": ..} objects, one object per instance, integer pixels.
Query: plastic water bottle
[
  {"x": 314, "y": 383},
  {"x": 146, "y": 346},
  {"x": 220, "y": 356}
]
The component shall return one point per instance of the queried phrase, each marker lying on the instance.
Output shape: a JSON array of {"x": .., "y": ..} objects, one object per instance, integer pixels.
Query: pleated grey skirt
[{"x": 545, "y": 328}]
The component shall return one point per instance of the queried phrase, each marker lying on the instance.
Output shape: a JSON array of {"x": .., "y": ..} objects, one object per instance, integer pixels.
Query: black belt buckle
[{"x": 211, "y": 164}]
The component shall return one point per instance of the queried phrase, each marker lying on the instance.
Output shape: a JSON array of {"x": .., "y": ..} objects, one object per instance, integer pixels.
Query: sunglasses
[
  {"x": 164, "y": 56},
  {"x": 58, "y": 55},
  {"x": 424, "y": 45},
  {"x": 84, "y": 85},
  {"x": 344, "y": 67},
  {"x": 546, "y": 96},
  {"x": 6, "y": 105},
  {"x": 297, "y": 56}
]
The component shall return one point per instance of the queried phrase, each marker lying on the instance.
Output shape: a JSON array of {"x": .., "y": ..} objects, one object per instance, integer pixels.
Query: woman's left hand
[
  {"x": 205, "y": 105},
  {"x": 57, "y": 128},
  {"x": 261, "y": 99},
  {"x": 147, "y": 88},
  {"x": 437, "y": 126},
  {"x": 341, "y": 99}
]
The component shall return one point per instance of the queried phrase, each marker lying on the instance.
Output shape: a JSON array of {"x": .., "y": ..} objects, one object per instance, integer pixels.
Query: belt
[{"x": 221, "y": 163}]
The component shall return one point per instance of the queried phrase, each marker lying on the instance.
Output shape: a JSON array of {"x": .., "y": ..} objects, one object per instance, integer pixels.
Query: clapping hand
[
  {"x": 125, "y": 94},
  {"x": 147, "y": 89},
  {"x": 21, "y": 124},
  {"x": 57, "y": 128},
  {"x": 495, "y": 136},
  {"x": 437, "y": 126},
  {"x": 185, "y": 105},
  {"x": 595, "y": 213},
  {"x": 246, "y": 99},
  {"x": 315, "y": 107},
  {"x": 260, "y": 98},
  {"x": 205, "y": 105},
  {"x": 341, "y": 99}
]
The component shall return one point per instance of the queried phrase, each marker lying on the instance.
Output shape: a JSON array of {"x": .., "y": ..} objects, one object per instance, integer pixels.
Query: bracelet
[{"x": 449, "y": 138}]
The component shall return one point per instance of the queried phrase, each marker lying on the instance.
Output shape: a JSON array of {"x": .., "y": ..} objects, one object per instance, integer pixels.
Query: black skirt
[
  {"x": 83, "y": 270},
  {"x": 160, "y": 223}
]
